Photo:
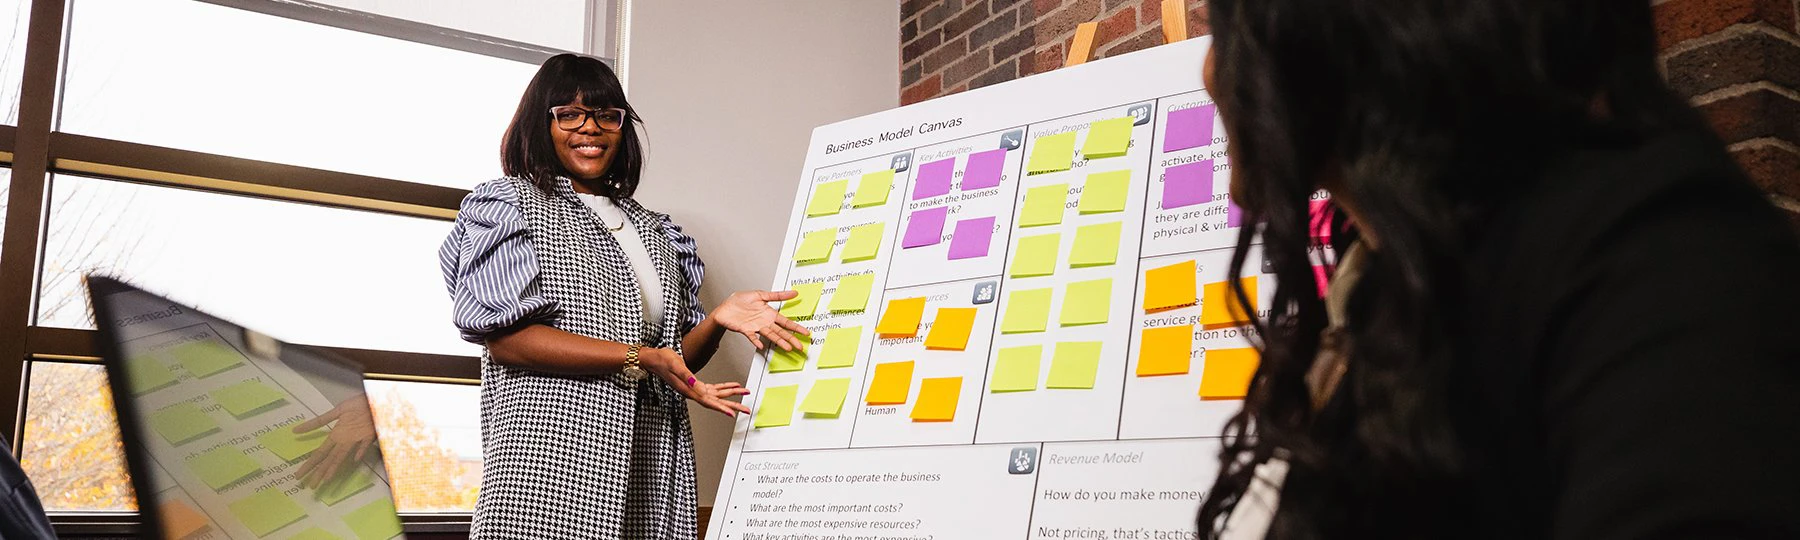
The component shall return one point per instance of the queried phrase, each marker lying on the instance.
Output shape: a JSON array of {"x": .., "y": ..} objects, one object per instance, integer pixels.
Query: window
[
  {"x": 431, "y": 439},
  {"x": 14, "y": 14},
  {"x": 552, "y": 23},
  {"x": 70, "y": 448}
]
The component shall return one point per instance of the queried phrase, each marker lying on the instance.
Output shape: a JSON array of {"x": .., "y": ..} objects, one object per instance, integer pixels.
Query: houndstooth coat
[{"x": 572, "y": 456}]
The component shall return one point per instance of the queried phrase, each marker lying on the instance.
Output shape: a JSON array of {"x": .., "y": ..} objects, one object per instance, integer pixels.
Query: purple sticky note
[
  {"x": 971, "y": 238},
  {"x": 926, "y": 227},
  {"x": 1234, "y": 216},
  {"x": 934, "y": 179},
  {"x": 1187, "y": 185},
  {"x": 1189, "y": 128},
  {"x": 983, "y": 170}
]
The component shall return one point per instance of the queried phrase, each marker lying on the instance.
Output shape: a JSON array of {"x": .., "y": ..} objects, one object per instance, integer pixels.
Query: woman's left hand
[{"x": 748, "y": 313}]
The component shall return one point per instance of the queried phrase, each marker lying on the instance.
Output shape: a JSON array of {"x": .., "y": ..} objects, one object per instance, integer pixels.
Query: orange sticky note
[
  {"x": 1221, "y": 308},
  {"x": 892, "y": 383},
  {"x": 1165, "y": 350},
  {"x": 1226, "y": 373},
  {"x": 1169, "y": 287},
  {"x": 937, "y": 399},
  {"x": 901, "y": 318},
  {"x": 951, "y": 329},
  {"x": 180, "y": 520}
]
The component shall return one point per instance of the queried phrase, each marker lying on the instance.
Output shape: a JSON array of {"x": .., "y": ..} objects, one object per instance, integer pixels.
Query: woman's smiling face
[{"x": 586, "y": 151}]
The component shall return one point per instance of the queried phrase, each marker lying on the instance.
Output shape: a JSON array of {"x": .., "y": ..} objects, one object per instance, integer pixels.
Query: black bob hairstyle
[{"x": 528, "y": 152}]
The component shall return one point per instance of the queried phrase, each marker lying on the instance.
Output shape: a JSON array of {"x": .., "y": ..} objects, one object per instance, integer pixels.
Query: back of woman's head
[
  {"x": 1427, "y": 114},
  {"x": 528, "y": 151}
]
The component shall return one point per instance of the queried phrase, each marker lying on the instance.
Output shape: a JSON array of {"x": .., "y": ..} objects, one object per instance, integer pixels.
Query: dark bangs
[{"x": 528, "y": 152}]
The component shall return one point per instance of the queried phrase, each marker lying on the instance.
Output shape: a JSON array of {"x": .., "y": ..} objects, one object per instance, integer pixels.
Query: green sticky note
[
  {"x": 1087, "y": 302},
  {"x": 1036, "y": 255},
  {"x": 783, "y": 361},
  {"x": 221, "y": 466},
  {"x": 802, "y": 307},
  {"x": 1074, "y": 364},
  {"x": 1104, "y": 192},
  {"x": 1108, "y": 138},
  {"x": 1016, "y": 369},
  {"x": 182, "y": 422},
  {"x": 1026, "y": 311},
  {"x": 826, "y": 397},
  {"x": 1044, "y": 205},
  {"x": 840, "y": 347},
  {"x": 827, "y": 198},
  {"x": 206, "y": 357},
  {"x": 1095, "y": 245},
  {"x": 815, "y": 247},
  {"x": 374, "y": 521},
  {"x": 873, "y": 189},
  {"x": 289, "y": 446},
  {"x": 349, "y": 482},
  {"x": 248, "y": 397},
  {"x": 852, "y": 293},
  {"x": 147, "y": 373},
  {"x": 776, "y": 408},
  {"x": 864, "y": 242},
  {"x": 315, "y": 533},
  {"x": 266, "y": 511},
  {"x": 1052, "y": 153}
]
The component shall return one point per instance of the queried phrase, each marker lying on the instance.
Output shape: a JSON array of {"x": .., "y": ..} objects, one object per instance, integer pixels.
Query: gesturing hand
[
  {"x": 343, "y": 447},
  {"x": 748, "y": 313},
  {"x": 673, "y": 369}
]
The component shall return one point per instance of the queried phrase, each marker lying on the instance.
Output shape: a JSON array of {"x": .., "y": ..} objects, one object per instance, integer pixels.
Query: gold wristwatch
[{"x": 632, "y": 370}]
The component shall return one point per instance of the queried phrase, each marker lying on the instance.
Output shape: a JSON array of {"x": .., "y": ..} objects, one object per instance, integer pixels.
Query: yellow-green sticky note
[
  {"x": 840, "y": 347},
  {"x": 266, "y": 510},
  {"x": 315, "y": 533},
  {"x": 182, "y": 422},
  {"x": 349, "y": 482},
  {"x": 826, "y": 397},
  {"x": 206, "y": 357},
  {"x": 289, "y": 446},
  {"x": 1044, "y": 205},
  {"x": 1095, "y": 245},
  {"x": 1052, "y": 153},
  {"x": 873, "y": 189},
  {"x": 827, "y": 198},
  {"x": 1108, "y": 138},
  {"x": 147, "y": 373},
  {"x": 864, "y": 242},
  {"x": 802, "y": 306},
  {"x": 1074, "y": 365},
  {"x": 783, "y": 361},
  {"x": 776, "y": 408},
  {"x": 1087, "y": 302},
  {"x": 221, "y": 466},
  {"x": 244, "y": 398},
  {"x": 815, "y": 247},
  {"x": 374, "y": 521},
  {"x": 1016, "y": 369},
  {"x": 1026, "y": 311},
  {"x": 1104, "y": 192},
  {"x": 852, "y": 293},
  {"x": 1036, "y": 255}
]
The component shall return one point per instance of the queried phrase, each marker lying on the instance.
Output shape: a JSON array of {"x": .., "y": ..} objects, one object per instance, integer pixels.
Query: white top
[{"x": 649, "y": 287}]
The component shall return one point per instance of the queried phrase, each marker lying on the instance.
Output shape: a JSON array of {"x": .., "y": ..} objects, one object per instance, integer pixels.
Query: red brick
[
  {"x": 926, "y": 89},
  {"x": 1745, "y": 55},
  {"x": 945, "y": 55},
  {"x": 911, "y": 74},
  {"x": 926, "y": 42},
  {"x": 1115, "y": 26},
  {"x": 967, "y": 68},
  {"x": 1050, "y": 58},
  {"x": 1757, "y": 113},
  {"x": 1197, "y": 19},
  {"x": 969, "y": 18},
  {"x": 1020, "y": 41},
  {"x": 909, "y": 30},
  {"x": 1001, "y": 73},
  {"x": 937, "y": 14},
  {"x": 1150, "y": 12},
  {"x": 996, "y": 6},
  {"x": 1150, "y": 37},
  {"x": 1040, "y": 8},
  {"x": 1053, "y": 27},
  {"x": 958, "y": 90},
  {"x": 1682, "y": 20},
  {"x": 1772, "y": 166},
  {"x": 994, "y": 28}
]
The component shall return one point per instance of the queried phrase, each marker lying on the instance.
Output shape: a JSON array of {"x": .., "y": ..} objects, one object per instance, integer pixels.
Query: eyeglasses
[{"x": 571, "y": 118}]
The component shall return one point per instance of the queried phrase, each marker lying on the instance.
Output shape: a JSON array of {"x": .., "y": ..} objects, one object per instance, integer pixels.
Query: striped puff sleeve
[
  {"x": 687, "y": 254},
  {"x": 489, "y": 265}
]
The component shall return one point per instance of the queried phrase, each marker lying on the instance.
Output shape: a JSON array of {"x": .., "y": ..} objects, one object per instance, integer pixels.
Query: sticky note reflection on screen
[
  {"x": 815, "y": 247},
  {"x": 182, "y": 422},
  {"x": 840, "y": 347},
  {"x": 1095, "y": 245},
  {"x": 180, "y": 519},
  {"x": 1108, "y": 138},
  {"x": 1221, "y": 307},
  {"x": 925, "y": 227},
  {"x": 221, "y": 466},
  {"x": 864, "y": 242},
  {"x": 1087, "y": 302},
  {"x": 1165, "y": 350},
  {"x": 290, "y": 446},
  {"x": 1074, "y": 365},
  {"x": 1169, "y": 287},
  {"x": 1036, "y": 255},
  {"x": 1052, "y": 153},
  {"x": 827, "y": 198},
  {"x": 950, "y": 330},
  {"x": 247, "y": 397},
  {"x": 873, "y": 189},
  {"x": 776, "y": 408},
  {"x": 349, "y": 482},
  {"x": 266, "y": 510},
  {"x": 1016, "y": 369},
  {"x": 1044, "y": 205},
  {"x": 1104, "y": 192},
  {"x": 375, "y": 520},
  {"x": 1187, "y": 184},
  {"x": 933, "y": 179},
  {"x": 891, "y": 384},
  {"x": 782, "y": 361},
  {"x": 314, "y": 533},
  {"x": 1026, "y": 311},
  {"x": 803, "y": 306},
  {"x": 1226, "y": 373},
  {"x": 983, "y": 170},
  {"x": 937, "y": 399},
  {"x": 147, "y": 373},
  {"x": 901, "y": 318},
  {"x": 971, "y": 238},
  {"x": 826, "y": 398},
  {"x": 206, "y": 357},
  {"x": 1189, "y": 128},
  {"x": 852, "y": 293}
]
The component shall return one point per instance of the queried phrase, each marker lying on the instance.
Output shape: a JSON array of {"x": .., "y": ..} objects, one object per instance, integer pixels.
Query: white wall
[{"x": 730, "y": 92}]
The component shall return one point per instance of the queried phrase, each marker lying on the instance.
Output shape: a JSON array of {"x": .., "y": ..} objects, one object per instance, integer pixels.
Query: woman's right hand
[{"x": 672, "y": 368}]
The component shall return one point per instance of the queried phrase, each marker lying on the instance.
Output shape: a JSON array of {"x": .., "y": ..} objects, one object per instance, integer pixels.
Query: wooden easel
[{"x": 1174, "y": 27}]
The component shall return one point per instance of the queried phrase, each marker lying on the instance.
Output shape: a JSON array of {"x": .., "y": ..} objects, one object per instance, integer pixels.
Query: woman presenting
[{"x": 588, "y": 305}]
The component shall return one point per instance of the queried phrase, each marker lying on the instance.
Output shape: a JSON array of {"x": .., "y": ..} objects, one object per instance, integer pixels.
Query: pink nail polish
[{"x": 690, "y": 381}]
